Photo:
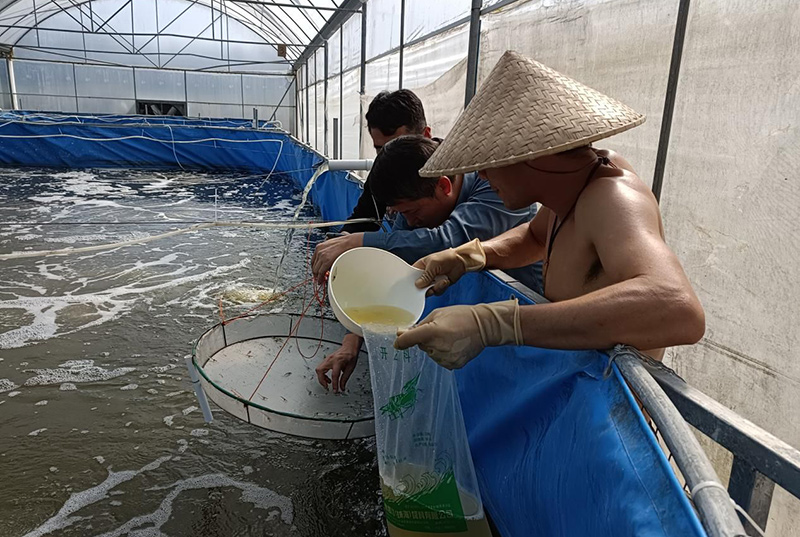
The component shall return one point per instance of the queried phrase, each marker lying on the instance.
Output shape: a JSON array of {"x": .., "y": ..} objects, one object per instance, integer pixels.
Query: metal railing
[{"x": 760, "y": 460}]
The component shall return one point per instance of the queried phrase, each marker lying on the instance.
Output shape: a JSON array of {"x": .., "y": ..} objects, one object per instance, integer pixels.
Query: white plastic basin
[{"x": 364, "y": 277}]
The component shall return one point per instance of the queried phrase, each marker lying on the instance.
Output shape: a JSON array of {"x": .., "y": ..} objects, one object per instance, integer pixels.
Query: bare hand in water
[{"x": 340, "y": 363}]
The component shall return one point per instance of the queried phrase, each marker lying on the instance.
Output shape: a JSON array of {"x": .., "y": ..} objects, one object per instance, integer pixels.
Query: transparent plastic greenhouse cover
[{"x": 558, "y": 448}]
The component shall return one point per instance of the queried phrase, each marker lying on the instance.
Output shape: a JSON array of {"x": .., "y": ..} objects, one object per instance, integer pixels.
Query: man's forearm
[
  {"x": 637, "y": 312},
  {"x": 515, "y": 248}
]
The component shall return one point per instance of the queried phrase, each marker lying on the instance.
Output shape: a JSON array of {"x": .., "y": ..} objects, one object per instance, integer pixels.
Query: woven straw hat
[{"x": 526, "y": 110}]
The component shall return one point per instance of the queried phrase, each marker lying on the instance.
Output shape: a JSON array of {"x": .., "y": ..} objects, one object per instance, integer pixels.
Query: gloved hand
[
  {"x": 451, "y": 263},
  {"x": 454, "y": 335}
]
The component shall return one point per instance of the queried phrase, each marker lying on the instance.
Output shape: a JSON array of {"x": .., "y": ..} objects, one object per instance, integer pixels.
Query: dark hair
[
  {"x": 389, "y": 111},
  {"x": 395, "y": 172}
]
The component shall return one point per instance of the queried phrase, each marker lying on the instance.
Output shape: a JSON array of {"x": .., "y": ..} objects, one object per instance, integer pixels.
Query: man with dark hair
[
  {"x": 390, "y": 114},
  {"x": 434, "y": 213}
]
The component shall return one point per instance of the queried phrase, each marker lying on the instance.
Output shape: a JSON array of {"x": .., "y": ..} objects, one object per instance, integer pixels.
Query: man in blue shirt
[{"x": 432, "y": 214}]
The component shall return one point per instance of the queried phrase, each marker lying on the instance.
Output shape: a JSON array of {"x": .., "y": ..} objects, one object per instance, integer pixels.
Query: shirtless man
[{"x": 608, "y": 273}]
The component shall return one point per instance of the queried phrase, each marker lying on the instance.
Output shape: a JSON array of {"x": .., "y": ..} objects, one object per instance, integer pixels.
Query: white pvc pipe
[
  {"x": 356, "y": 164},
  {"x": 198, "y": 390}
]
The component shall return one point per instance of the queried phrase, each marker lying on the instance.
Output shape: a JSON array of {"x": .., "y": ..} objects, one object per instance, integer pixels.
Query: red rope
[{"x": 318, "y": 289}]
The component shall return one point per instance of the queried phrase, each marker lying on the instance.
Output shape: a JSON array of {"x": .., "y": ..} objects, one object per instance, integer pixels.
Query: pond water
[{"x": 101, "y": 434}]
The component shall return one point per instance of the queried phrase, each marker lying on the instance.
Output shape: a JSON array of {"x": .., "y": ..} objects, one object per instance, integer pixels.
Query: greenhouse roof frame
[{"x": 300, "y": 25}]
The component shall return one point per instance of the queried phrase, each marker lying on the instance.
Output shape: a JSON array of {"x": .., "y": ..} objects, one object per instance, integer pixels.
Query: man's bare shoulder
[{"x": 618, "y": 194}]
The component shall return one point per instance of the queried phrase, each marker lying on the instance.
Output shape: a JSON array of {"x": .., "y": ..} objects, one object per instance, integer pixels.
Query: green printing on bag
[
  {"x": 403, "y": 402},
  {"x": 432, "y": 505}
]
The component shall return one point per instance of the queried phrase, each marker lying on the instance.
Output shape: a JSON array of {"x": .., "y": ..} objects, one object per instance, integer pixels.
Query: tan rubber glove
[
  {"x": 454, "y": 335},
  {"x": 452, "y": 264}
]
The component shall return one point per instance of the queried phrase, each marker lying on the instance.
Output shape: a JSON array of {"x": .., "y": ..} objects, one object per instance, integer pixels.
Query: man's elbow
[{"x": 689, "y": 319}]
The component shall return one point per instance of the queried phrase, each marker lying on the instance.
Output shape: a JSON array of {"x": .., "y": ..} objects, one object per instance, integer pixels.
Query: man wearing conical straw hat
[{"x": 608, "y": 273}]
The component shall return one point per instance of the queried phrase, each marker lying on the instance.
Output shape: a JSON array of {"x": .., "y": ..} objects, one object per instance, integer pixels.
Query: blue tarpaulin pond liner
[
  {"x": 559, "y": 449},
  {"x": 30, "y": 139}
]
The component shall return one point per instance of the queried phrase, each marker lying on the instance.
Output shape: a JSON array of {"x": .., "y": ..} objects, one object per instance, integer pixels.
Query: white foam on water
[
  {"x": 6, "y": 385},
  {"x": 247, "y": 470},
  {"x": 53, "y": 469},
  {"x": 152, "y": 391},
  {"x": 129, "y": 387},
  {"x": 37, "y": 432},
  {"x": 168, "y": 420},
  {"x": 41, "y": 403},
  {"x": 67, "y": 387},
  {"x": 105, "y": 305},
  {"x": 100, "y": 459},
  {"x": 199, "y": 432},
  {"x": 79, "y": 500},
  {"x": 187, "y": 411},
  {"x": 183, "y": 445},
  {"x": 149, "y": 525},
  {"x": 115, "y": 503},
  {"x": 13, "y": 394},
  {"x": 74, "y": 371},
  {"x": 162, "y": 368}
]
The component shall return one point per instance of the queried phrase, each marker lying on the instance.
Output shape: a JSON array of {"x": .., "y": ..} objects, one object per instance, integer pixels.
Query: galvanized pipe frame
[
  {"x": 710, "y": 497},
  {"x": 760, "y": 460},
  {"x": 238, "y": 13}
]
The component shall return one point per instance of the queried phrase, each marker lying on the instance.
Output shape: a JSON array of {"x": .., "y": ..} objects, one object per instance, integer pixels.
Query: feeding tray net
[{"x": 250, "y": 370}]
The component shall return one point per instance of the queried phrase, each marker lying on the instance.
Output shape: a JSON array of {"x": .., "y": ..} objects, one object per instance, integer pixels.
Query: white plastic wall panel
[
  {"x": 351, "y": 113},
  {"x": 333, "y": 110},
  {"x": 312, "y": 116},
  {"x": 259, "y": 90},
  {"x": 383, "y": 26},
  {"x": 351, "y": 42},
  {"x": 214, "y": 110},
  {"x": 319, "y": 60},
  {"x": 214, "y": 88},
  {"x": 426, "y": 61},
  {"x": 383, "y": 74},
  {"x": 302, "y": 115},
  {"x": 160, "y": 85},
  {"x": 334, "y": 53},
  {"x": 5, "y": 86},
  {"x": 729, "y": 203},
  {"x": 424, "y": 16},
  {"x": 620, "y": 48},
  {"x": 320, "y": 140},
  {"x": 312, "y": 69},
  {"x": 101, "y": 105},
  {"x": 42, "y": 78},
  {"x": 286, "y": 115},
  {"x": 48, "y": 104},
  {"x": 101, "y": 81}
]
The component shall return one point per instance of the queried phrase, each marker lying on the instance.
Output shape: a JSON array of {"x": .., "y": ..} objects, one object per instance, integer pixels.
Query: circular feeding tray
[{"x": 249, "y": 369}]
